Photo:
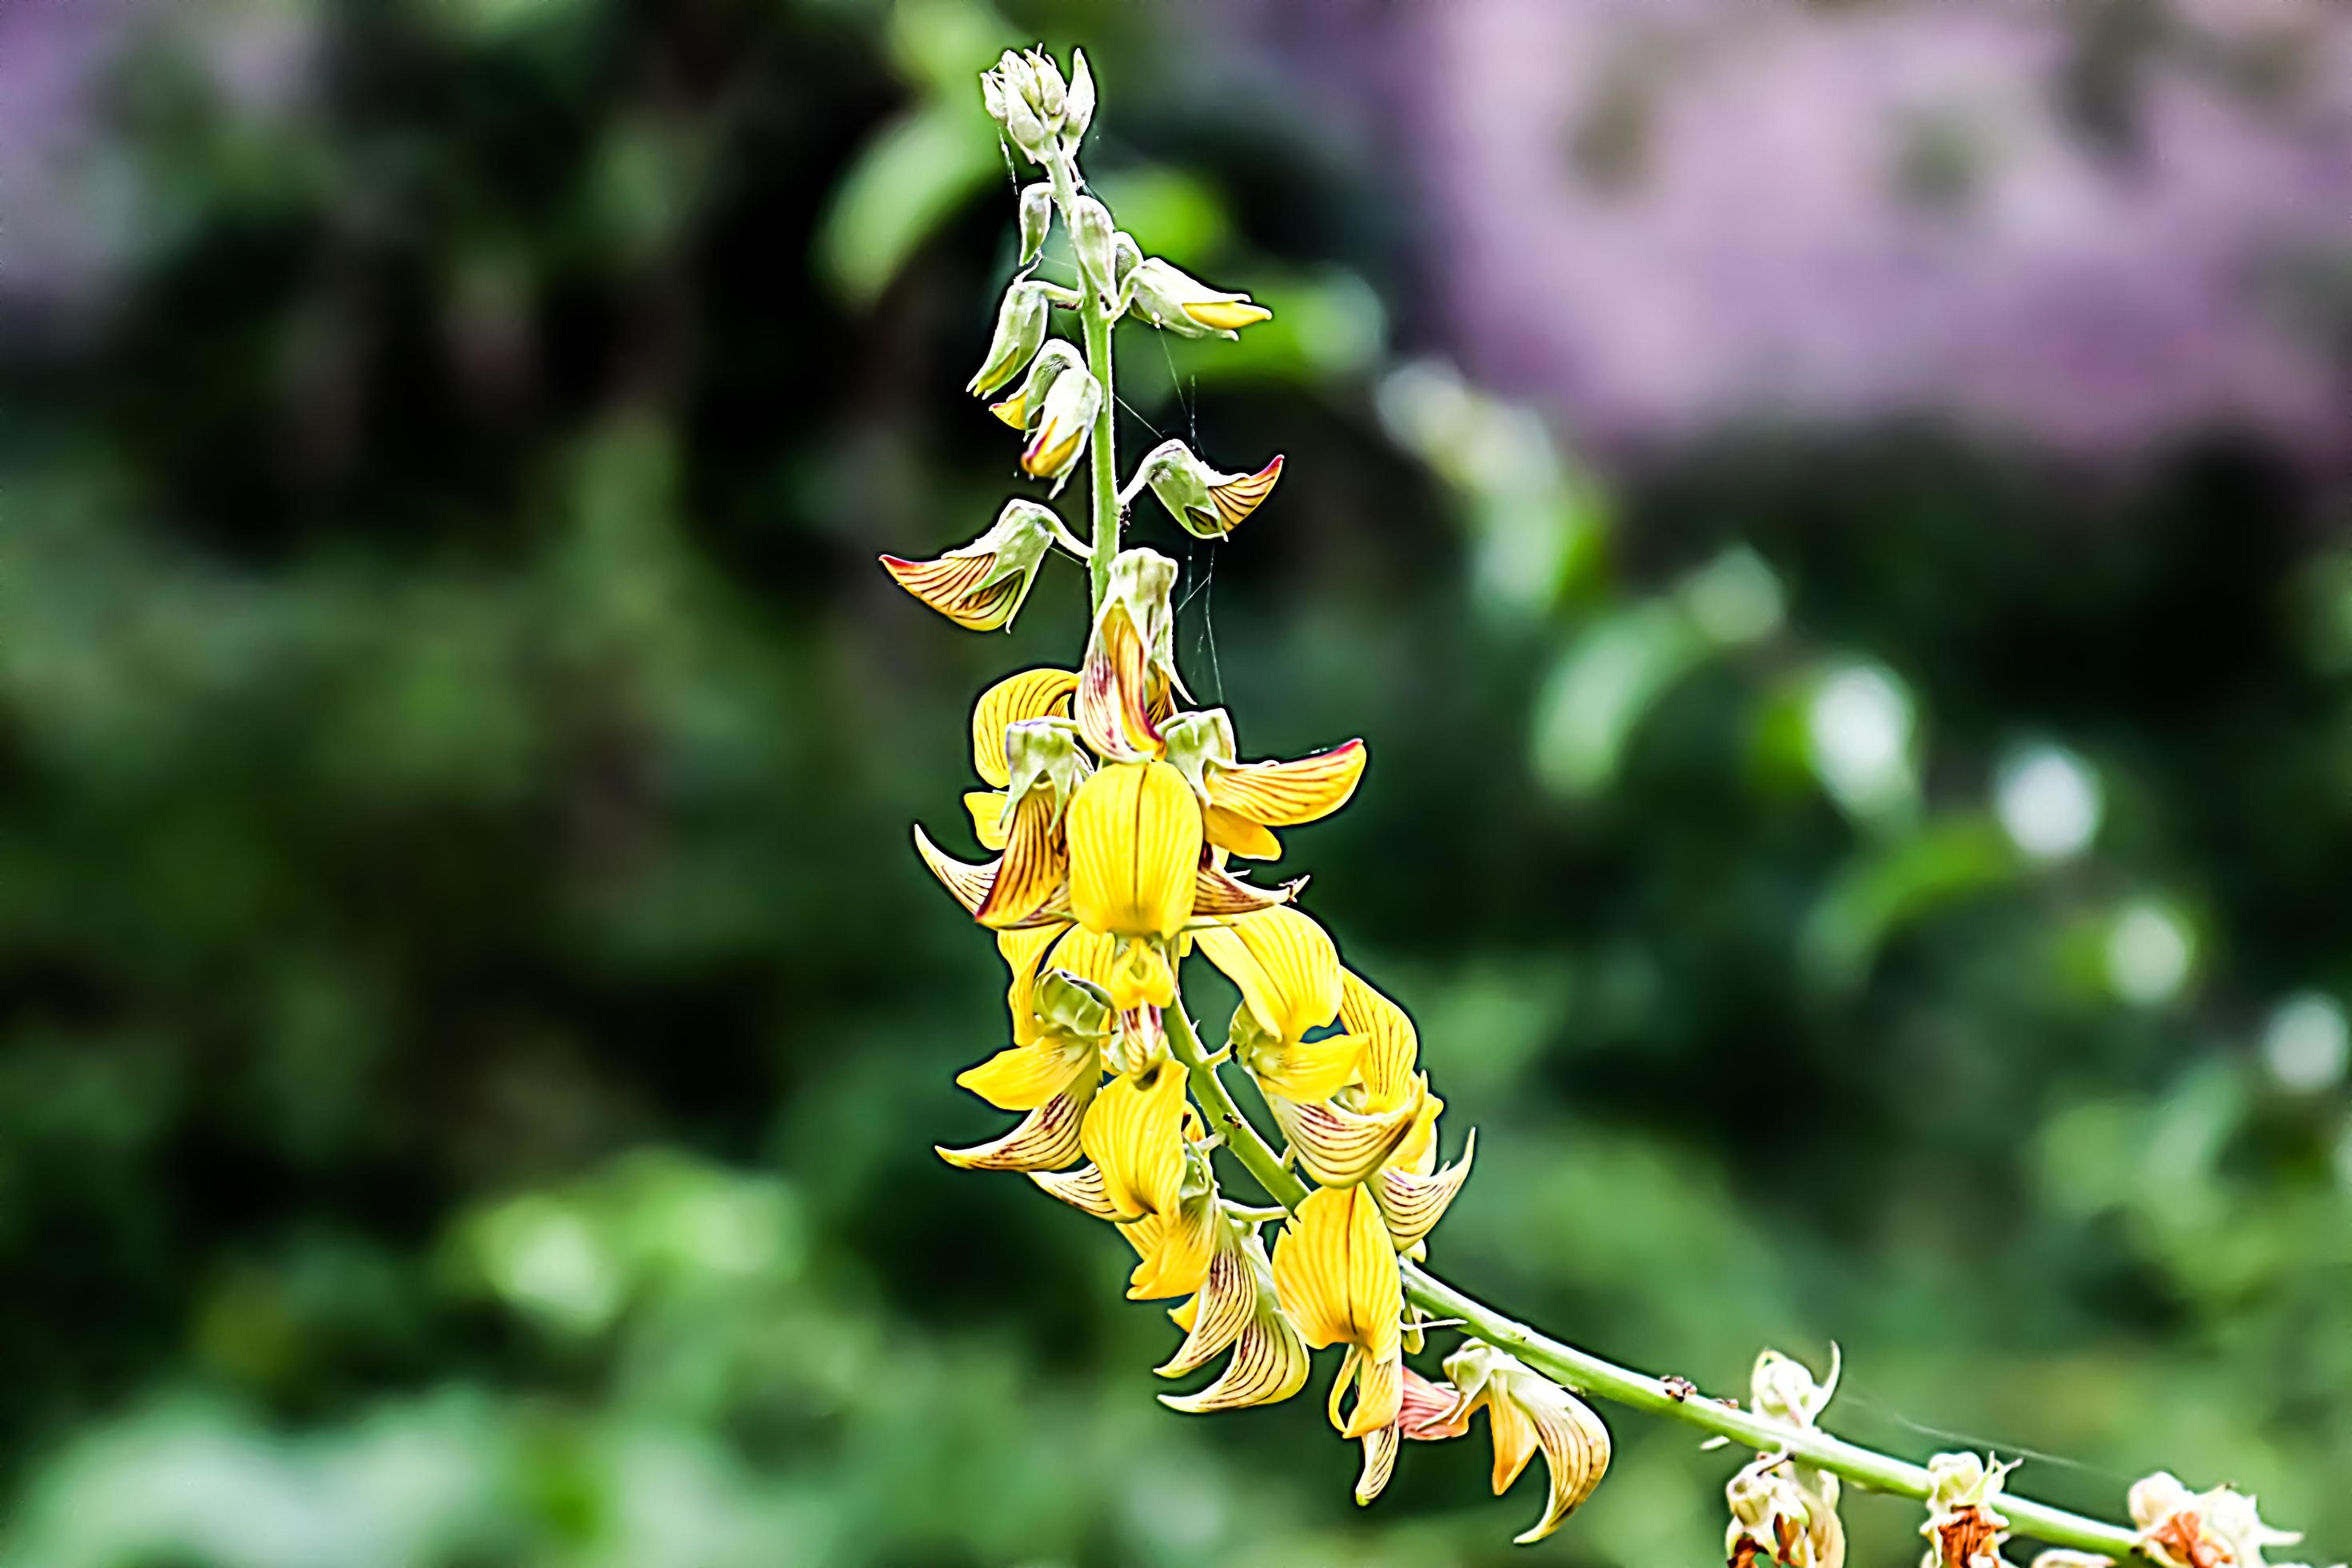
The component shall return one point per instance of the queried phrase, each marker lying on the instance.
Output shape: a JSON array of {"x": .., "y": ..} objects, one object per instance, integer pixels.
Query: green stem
[
  {"x": 1097, "y": 323},
  {"x": 1589, "y": 1373}
]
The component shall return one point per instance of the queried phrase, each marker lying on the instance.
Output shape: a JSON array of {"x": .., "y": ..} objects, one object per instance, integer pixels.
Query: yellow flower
[
  {"x": 1242, "y": 800},
  {"x": 1525, "y": 1411},
  {"x": 1070, "y": 1020},
  {"x": 1127, "y": 682},
  {"x": 1288, "y": 974},
  {"x": 1236, "y": 1307},
  {"x": 1336, "y": 1276}
]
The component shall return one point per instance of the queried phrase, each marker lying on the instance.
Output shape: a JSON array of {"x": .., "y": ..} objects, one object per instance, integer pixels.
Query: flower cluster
[{"x": 1118, "y": 814}]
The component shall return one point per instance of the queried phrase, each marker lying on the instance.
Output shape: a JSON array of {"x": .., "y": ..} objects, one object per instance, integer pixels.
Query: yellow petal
[
  {"x": 976, "y": 592},
  {"x": 1335, "y": 1273},
  {"x": 1023, "y": 952},
  {"x": 1134, "y": 832},
  {"x": 1237, "y": 835},
  {"x": 1215, "y": 1318},
  {"x": 1391, "y": 1046},
  {"x": 1134, "y": 1133},
  {"x": 1310, "y": 1071},
  {"x": 1337, "y": 1147},
  {"x": 1283, "y": 794},
  {"x": 1175, "y": 1250},
  {"x": 1378, "y": 1394},
  {"x": 1237, "y": 497},
  {"x": 1288, "y": 970},
  {"x": 1114, "y": 704},
  {"x": 987, "y": 808},
  {"x": 1023, "y": 1078},
  {"x": 1143, "y": 977},
  {"x": 1269, "y": 1364},
  {"x": 1033, "y": 865},
  {"x": 1032, "y": 694},
  {"x": 1514, "y": 1440},
  {"x": 1013, "y": 410},
  {"x": 1226, "y": 315},
  {"x": 1218, "y": 894},
  {"x": 1380, "y": 1463},
  {"x": 1576, "y": 1455},
  {"x": 1047, "y": 1140}
]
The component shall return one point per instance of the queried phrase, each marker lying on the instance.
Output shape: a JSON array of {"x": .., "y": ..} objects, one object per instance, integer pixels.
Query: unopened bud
[
  {"x": 1063, "y": 425},
  {"x": 1009, "y": 91},
  {"x": 1020, "y": 328},
  {"x": 1036, "y": 217},
  {"x": 1181, "y": 303},
  {"x": 1206, "y": 502},
  {"x": 1092, "y": 237},
  {"x": 981, "y": 585},
  {"x": 1057, "y": 358},
  {"x": 1047, "y": 92}
]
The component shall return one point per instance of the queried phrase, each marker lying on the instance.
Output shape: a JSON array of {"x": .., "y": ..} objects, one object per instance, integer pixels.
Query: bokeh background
[{"x": 1832, "y": 519}]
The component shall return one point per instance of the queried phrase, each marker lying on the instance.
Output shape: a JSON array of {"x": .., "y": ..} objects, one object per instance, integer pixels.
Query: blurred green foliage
[{"x": 474, "y": 1033}]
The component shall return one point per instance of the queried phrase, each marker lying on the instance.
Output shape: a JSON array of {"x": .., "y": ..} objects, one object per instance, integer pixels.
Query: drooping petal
[
  {"x": 1023, "y": 1078},
  {"x": 1082, "y": 1189},
  {"x": 1515, "y": 1438},
  {"x": 1033, "y": 864},
  {"x": 1269, "y": 1364},
  {"x": 1284, "y": 964},
  {"x": 1337, "y": 1147},
  {"x": 1134, "y": 1134},
  {"x": 1431, "y": 1412},
  {"x": 1023, "y": 950},
  {"x": 1218, "y": 894},
  {"x": 1237, "y": 835},
  {"x": 1380, "y": 1463},
  {"x": 1047, "y": 1140},
  {"x": 1040, "y": 693},
  {"x": 1284, "y": 794},
  {"x": 1135, "y": 844},
  {"x": 1222, "y": 1310},
  {"x": 1392, "y": 1048},
  {"x": 1576, "y": 1454},
  {"x": 1175, "y": 1250},
  {"x": 1237, "y": 497},
  {"x": 975, "y": 592},
  {"x": 1413, "y": 1203},
  {"x": 969, "y": 886}
]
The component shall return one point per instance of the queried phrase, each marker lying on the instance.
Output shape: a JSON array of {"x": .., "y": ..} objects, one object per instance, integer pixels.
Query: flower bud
[
  {"x": 1057, "y": 358},
  {"x": 981, "y": 585},
  {"x": 1783, "y": 1389},
  {"x": 1183, "y": 304},
  {"x": 1043, "y": 752},
  {"x": 1775, "y": 1520},
  {"x": 1010, "y": 91},
  {"x": 1036, "y": 215},
  {"x": 1197, "y": 739},
  {"x": 1048, "y": 94},
  {"x": 1020, "y": 328},
  {"x": 1207, "y": 504},
  {"x": 1067, "y": 1005},
  {"x": 1080, "y": 112},
  {"x": 1964, "y": 1528},
  {"x": 1063, "y": 424},
  {"x": 1092, "y": 236}
]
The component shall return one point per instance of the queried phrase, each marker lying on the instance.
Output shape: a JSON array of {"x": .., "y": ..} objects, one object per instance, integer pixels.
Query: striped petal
[
  {"x": 1040, "y": 693},
  {"x": 1047, "y": 1140},
  {"x": 1218, "y": 894},
  {"x": 1023, "y": 951},
  {"x": 1284, "y": 964},
  {"x": 1269, "y": 1364},
  {"x": 1082, "y": 1189},
  {"x": 1227, "y": 1301},
  {"x": 1033, "y": 864},
  {"x": 1336, "y": 1275},
  {"x": 1412, "y": 1204},
  {"x": 1392, "y": 1046},
  {"x": 1576, "y": 1451},
  {"x": 1379, "y": 1384},
  {"x": 979, "y": 592},
  {"x": 969, "y": 885},
  {"x": 1430, "y": 1412},
  {"x": 1284, "y": 794},
  {"x": 1237, "y": 835},
  {"x": 1135, "y": 844},
  {"x": 1023, "y": 1078},
  {"x": 1380, "y": 1463},
  {"x": 1237, "y": 497},
  {"x": 1337, "y": 1147},
  {"x": 1115, "y": 689},
  {"x": 1134, "y": 1134}
]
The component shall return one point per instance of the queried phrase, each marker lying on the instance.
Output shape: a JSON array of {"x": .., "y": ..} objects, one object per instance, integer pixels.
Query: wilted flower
[
  {"x": 1205, "y": 501},
  {"x": 1776, "y": 1519},
  {"x": 2216, "y": 1529},
  {"x": 981, "y": 585},
  {"x": 1964, "y": 1528},
  {"x": 1525, "y": 1411},
  {"x": 1184, "y": 305}
]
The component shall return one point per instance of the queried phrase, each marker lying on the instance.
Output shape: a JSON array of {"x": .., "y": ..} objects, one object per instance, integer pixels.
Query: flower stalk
[{"x": 1121, "y": 822}]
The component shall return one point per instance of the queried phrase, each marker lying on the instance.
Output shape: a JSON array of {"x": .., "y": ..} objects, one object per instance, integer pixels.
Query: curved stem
[{"x": 1589, "y": 1373}]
